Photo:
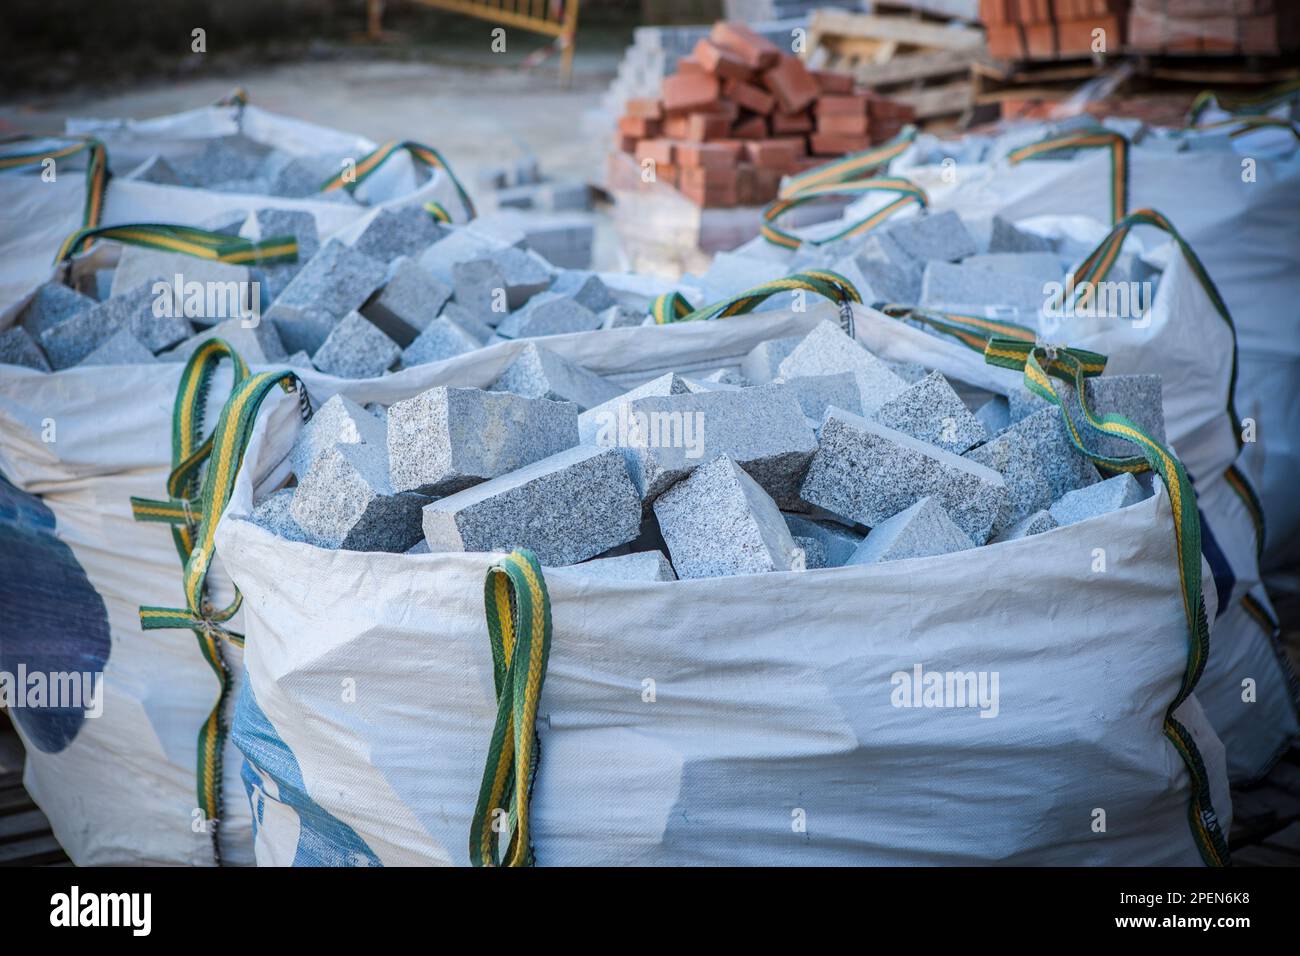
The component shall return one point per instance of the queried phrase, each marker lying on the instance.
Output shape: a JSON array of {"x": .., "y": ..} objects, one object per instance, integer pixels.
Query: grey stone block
[
  {"x": 275, "y": 516},
  {"x": 718, "y": 521},
  {"x": 1043, "y": 266},
  {"x": 269, "y": 223},
  {"x": 508, "y": 277},
  {"x": 72, "y": 340},
  {"x": 1021, "y": 403},
  {"x": 103, "y": 285},
  {"x": 836, "y": 543},
  {"x": 761, "y": 364},
  {"x": 301, "y": 329},
  {"x": 1007, "y": 238},
  {"x": 962, "y": 288},
  {"x": 1064, "y": 466},
  {"x": 620, "y": 317},
  {"x": 930, "y": 411},
  {"x": 827, "y": 350},
  {"x": 479, "y": 330},
  {"x": 889, "y": 282},
  {"x": 566, "y": 508},
  {"x": 257, "y": 344},
  {"x": 493, "y": 178},
  {"x": 340, "y": 421},
  {"x": 1012, "y": 457},
  {"x": 585, "y": 288},
  {"x": 909, "y": 372},
  {"x": 337, "y": 280},
  {"x": 540, "y": 373},
  {"x": 17, "y": 347},
  {"x": 548, "y": 314},
  {"x": 995, "y": 414},
  {"x": 407, "y": 303},
  {"x": 120, "y": 348},
  {"x": 299, "y": 360},
  {"x": 442, "y": 339},
  {"x": 816, "y": 393},
  {"x": 223, "y": 159},
  {"x": 345, "y": 500},
  {"x": 638, "y": 566},
  {"x": 1036, "y": 523},
  {"x": 762, "y": 429},
  {"x": 864, "y": 472},
  {"x": 600, "y": 425},
  {"x": 1097, "y": 499},
  {"x": 814, "y": 555},
  {"x": 228, "y": 222},
  {"x": 356, "y": 349},
  {"x": 139, "y": 265},
  {"x": 447, "y": 439},
  {"x": 1139, "y": 398},
  {"x": 157, "y": 170},
  {"x": 52, "y": 304},
  {"x": 940, "y": 236},
  {"x": 726, "y": 376},
  {"x": 527, "y": 171},
  {"x": 406, "y": 231},
  {"x": 457, "y": 246},
  {"x": 919, "y": 531}
]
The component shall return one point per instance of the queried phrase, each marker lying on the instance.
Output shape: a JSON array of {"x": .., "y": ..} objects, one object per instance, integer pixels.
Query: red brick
[
  {"x": 1272, "y": 33},
  {"x": 711, "y": 197},
  {"x": 1146, "y": 31},
  {"x": 667, "y": 173},
  {"x": 1075, "y": 36},
  {"x": 833, "y": 144},
  {"x": 645, "y": 107},
  {"x": 682, "y": 92},
  {"x": 638, "y": 127},
  {"x": 829, "y": 82},
  {"x": 677, "y": 127},
  {"x": 723, "y": 107},
  {"x": 797, "y": 144},
  {"x": 746, "y": 193},
  {"x": 774, "y": 153},
  {"x": 1006, "y": 42},
  {"x": 626, "y": 144},
  {"x": 751, "y": 97},
  {"x": 660, "y": 150},
  {"x": 849, "y": 125},
  {"x": 882, "y": 131},
  {"x": 792, "y": 83},
  {"x": 720, "y": 62},
  {"x": 705, "y": 176},
  {"x": 688, "y": 66},
  {"x": 705, "y": 126},
  {"x": 1181, "y": 35},
  {"x": 883, "y": 108},
  {"x": 1040, "y": 39},
  {"x": 852, "y": 105},
  {"x": 767, "y": 182},
  {"x": 705, "y": 154},
  {"x": 994, "y": 11},
  {"x": 751, "y": 127},
  {"x": 756, "y": 51},
  {"x": 791, "y": 122},
  {"x": 1218, "y": 34}
]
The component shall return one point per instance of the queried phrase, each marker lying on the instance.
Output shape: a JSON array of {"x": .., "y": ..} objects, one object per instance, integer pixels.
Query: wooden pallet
[
  {"x": 25, "y": 837},
  {"x": 908, "y": 58},
  {"x": 1266, "y": 818}
]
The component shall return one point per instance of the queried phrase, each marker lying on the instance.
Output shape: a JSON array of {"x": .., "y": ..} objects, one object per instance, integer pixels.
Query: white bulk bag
[{"x": 770, "y": 735}]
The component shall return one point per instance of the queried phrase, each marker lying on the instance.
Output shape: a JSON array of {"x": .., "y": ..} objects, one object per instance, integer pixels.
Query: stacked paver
[
  {"x": 740, "y": 113},
  {"x": 1046, "y": 29},
  {"x": 1263, "y": 27}
]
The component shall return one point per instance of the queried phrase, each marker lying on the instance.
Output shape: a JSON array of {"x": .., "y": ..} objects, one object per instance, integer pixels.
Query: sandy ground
[{"x": 476, "y": 115}]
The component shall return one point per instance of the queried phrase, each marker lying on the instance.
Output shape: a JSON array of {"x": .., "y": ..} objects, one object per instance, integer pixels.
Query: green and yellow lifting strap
[
  {"x": 1040, "y": 365},
  {"x": 350, "y": 178},
  {"x": 908, "y": 193},
  {"x": 518, "y": 611},
  {"x": 854, "y": 166},
  {"x": 1246, "y": 124},
  {"x": 672, "y": 306},
  {"x": 97, "y": 174},
  {"x": 1088, "y": 139},
  {"x": 200, "y": 243},
  {"x": 1247, "y": 105},
  {"x": 195, "y": 524}
]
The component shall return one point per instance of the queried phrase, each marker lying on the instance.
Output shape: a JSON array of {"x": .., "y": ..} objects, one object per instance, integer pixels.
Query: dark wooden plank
[
  {"x": 21, "y": 826},
  {"x": 13, "y": 800},
  {"x": 36, "y": 851}
]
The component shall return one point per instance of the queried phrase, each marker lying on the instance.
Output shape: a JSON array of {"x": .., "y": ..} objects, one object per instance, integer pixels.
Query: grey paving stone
[
  {"x": 537, "y": 372},
  {"x": 585, "y": 288},
  {"x": 763, "y": 429},
  {"x": 600, "y": 425},
  {"x": 269, "y": 223},
  {"x": 1007, "y": 238},
  {"x": 228, "y": 222},
  {"x": 408, "y": 302},
  {"x": 17, "y": 347},
  {"x": 339, "y": 421},
  {"x": 567, "y": 508},
  {"x": 940, "y": 236},
  {"x": 301, "y": 329},
  {"x": 1036, "y": 523},
  {"x": 620, "y": 317},
  {"x": 918, "y": 531},
  {"x": 816, "y": 393},
  {"x": 836, "y": 542},
  {"x": 447, "y": 439},
  {"x": 53, "y": 303},
  {"x": 814, "y": 555},
  {"x": 718, "y": 521},
  {"x": 337, "y": 280},
  {"x": 405, "y": 231},
  {"x": 962, "y": 288},
  {"x": 1064, "y": 467},
  {"x": 1097, "y": 499},
  {"x": 889, "y": 282},
  {"x": 909, "y": 372},
  {"x": 356, "y": 349},
  {"x": 103, "y": 286},
  {"x": 275, "y": 516},
  {"x": 1043, "y": 266},
  {"x": 1012, "y": 457},
  {"x": 479, "y": 330},
  {"x": 120, "y": 348},
  {"x": 1021, "y": 403},
  {"x": 508, "y": 277},
  {"x": 931, "y": 411},
  {"x": 1139, "y": 398},
  {"x": 157, "y": 170},
  {"x": 827, "y": 350},
  {"x": 637, "y": 566},
  {"x": 223, "y": 159},
  {"x": 458, "y": 245},
  {"x": 726, "y": 376},
  {"x": 139, "y": 265},
  {"x": 345, "y": 500},
  {"x": 995, "y": 414},
  {"x": 72, "y": 340},
  {"x": 864, "y": 472},
  {"x": 256, "y": 344},
  {"x": 761, "y": 364},
  {"x": 442, "y": 339},
  {"x": 548, "y": 313}
]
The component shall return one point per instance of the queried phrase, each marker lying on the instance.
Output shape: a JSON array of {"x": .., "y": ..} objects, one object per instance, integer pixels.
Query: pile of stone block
[
  {"x": 741, "y": 112},
  {"x": 523, "y": 186},
  {"x": 833, "y": 459}
]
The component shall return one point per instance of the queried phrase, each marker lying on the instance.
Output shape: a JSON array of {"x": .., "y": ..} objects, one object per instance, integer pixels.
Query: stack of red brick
[
  {"x": 1047, "y": 29},
  {"x": 739, "y": 114},
  {"x": 1215, "y": 26}
]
